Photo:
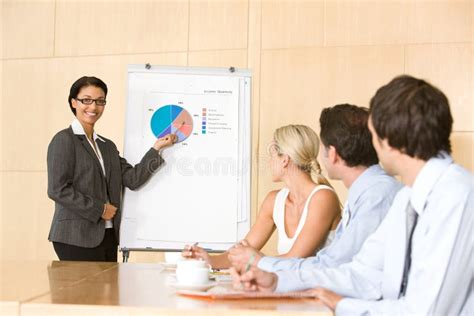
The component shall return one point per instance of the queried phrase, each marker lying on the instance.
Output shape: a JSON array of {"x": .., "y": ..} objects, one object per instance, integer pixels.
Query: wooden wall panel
[
  {"x": 297, "y": 84},
  {"x": 218, "y": 24},
  {"x": 292, "y": 24},
  {"x": 26, "y": 217},
  {"x": 219, "y": 58},
  {"x": 253, "y": 63},
  {"x": 120, "y": 27},
  {"x": 439, "y": 21},
  {"x": 2, "y": 208},
  {"x": 463, "y": 149},
  {"x": 2, "y": 118},
  {"x": 27, "y": 28},
  {"x": 353, "y": 74},
  {"x": 448, "y": 66},
  {"x": 362, "y": 22}
]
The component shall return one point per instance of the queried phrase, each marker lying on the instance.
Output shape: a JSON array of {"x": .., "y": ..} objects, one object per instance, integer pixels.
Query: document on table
[{"x": 228, "y": 294}]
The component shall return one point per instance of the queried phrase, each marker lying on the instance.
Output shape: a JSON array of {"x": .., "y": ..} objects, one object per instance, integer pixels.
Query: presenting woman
[
  {"x": 304, "y": 212},
  {"x": 86, "y": 176}
]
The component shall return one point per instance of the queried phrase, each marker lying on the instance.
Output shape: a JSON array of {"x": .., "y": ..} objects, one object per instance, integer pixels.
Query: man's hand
[
  {"x": 329, "y": 298},
  {"x": 242, "y": 257},
  {"x": 255, "y": 280}
]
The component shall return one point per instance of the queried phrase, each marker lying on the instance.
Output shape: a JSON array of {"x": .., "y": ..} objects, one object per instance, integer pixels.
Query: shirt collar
[
  {"x": 362, "y": 183},
  {"x": 426, "y": 180},
  {"x": 77, "y": 129}
]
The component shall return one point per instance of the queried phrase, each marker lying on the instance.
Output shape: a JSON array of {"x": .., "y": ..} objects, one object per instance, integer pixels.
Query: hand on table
[
  {"x": 329, "y": 298},
  {"x": 255, "y": 280}
]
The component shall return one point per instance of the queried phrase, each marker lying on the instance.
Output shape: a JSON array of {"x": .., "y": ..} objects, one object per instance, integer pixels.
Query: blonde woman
[{"x": 304, "y": 212}]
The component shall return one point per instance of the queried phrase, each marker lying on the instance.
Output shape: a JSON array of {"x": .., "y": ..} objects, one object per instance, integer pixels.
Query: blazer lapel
[
  {"x": 91, "y": 152},
  {"x": 106, "y": 157}
]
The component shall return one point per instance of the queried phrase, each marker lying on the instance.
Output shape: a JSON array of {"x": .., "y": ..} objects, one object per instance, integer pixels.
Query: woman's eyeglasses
[{"x": 88, "y": 101}]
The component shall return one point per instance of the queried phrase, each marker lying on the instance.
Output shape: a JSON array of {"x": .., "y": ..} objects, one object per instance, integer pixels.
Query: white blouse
[{"x": 284, "y": 242}]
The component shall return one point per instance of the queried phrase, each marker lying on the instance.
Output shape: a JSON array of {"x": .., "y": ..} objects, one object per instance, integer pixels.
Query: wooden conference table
[{"x": 90, "y": 288}]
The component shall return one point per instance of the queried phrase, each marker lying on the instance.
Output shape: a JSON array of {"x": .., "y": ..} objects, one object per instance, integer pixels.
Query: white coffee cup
[
  {"x": 192, "y": 276},
  {"x": 173, "y": 257},
  {"x": 192, "y": 263}
]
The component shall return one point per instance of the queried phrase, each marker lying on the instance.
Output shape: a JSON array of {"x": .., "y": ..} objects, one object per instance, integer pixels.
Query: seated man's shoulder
[
  {"x": 384, "y": 185},
  {"x": 379, "y": 200},
  {"x": 457, "y": 181}
]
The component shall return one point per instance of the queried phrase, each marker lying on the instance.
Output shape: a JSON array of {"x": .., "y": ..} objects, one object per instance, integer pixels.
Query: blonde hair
[{"x": 301, "y": 144}]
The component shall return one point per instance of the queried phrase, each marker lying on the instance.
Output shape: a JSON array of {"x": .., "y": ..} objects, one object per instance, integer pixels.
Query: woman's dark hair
[
  {"x": 84, "y": 82},
  {"x": 344, "y": 126},
  {"x": 413, "y": 116}
]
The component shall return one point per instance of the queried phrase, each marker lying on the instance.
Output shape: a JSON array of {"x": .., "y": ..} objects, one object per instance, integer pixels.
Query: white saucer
[
  {"x": 193, "y": 287},
  {"x": 168, "y": 265}
]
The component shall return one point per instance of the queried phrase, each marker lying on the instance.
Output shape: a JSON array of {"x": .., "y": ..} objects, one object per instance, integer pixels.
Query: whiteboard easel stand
[{"x": 126, "y": 251}]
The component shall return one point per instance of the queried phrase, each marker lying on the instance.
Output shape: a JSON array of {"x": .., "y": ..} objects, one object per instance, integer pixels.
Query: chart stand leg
[{"x": 125, "y": 255}]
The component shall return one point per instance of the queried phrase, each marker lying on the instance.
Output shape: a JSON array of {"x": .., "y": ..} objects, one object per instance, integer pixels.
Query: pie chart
[{"x": 172, "y": 119}]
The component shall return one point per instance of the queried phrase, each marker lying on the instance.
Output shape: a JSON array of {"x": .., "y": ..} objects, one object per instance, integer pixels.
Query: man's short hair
[
  {"x": 413, "y": 116},
  {"x": 344, "y": 126}
]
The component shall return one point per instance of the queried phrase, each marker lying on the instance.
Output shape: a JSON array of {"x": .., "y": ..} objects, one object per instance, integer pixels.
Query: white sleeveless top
[{"x": 284, "y": 242}]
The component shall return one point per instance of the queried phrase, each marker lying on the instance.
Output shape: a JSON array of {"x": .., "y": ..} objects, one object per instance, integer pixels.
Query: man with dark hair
[
  {"x": 344, "y": 127},
  {"x": 420, "y": 260},
  {"x": 348, "y": 155}
]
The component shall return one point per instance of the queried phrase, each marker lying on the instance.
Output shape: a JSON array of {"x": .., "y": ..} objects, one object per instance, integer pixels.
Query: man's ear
[
  {"x": 333, "y": 156},
  {"x": 383, "y": 143}
]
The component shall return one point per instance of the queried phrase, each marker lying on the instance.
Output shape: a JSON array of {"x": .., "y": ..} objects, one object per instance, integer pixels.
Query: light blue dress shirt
[
  {"x": 442, "y": 260},
  {"x": 369, "y": 199}
]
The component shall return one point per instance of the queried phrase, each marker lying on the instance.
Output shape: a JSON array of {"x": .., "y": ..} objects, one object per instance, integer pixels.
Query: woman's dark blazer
[{"x": 79, "y": 189}]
